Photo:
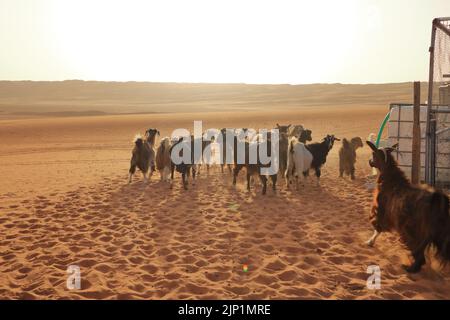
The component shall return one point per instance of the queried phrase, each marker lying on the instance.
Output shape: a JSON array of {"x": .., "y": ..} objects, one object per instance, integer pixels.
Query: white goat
[{"x": 299, "y": 161}]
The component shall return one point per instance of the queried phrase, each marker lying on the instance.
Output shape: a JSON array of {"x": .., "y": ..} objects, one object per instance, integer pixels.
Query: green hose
[{"x": 380, "y": 132}]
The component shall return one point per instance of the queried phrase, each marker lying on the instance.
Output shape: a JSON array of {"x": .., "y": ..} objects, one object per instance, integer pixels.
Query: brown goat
[
  {"x": 283, "y": 152},
  {"x": 226, "y": 148},
  {"x": 347, "y": 156},
  {"x": 163, "y": 161},
  {"x": 420, "y": 214},
  {"x": 143, "y": 154},
  {"x": 253, "y": 169}
]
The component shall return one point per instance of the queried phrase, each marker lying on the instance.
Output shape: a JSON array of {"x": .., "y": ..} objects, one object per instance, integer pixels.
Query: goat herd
[
  {"x": 420, "y": 214},
  {"x": 296, "y": 156}
]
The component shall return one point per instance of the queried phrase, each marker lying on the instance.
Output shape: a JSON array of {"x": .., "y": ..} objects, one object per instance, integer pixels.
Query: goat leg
[
  {"x": 264, "y": 182},
  {"x": 419, "y": 259},
  {"x": 172, "y": 170},
  {"x": 286, "y": 178},
  {"x": 183, "y": 177},
  {"x": 274, "y": 182},
  {"x": 144, "y": 174},
  {"x": 374, "y": 237},
  {"x": 236, "y": 170},
  {"x": 131, "y": 172}
]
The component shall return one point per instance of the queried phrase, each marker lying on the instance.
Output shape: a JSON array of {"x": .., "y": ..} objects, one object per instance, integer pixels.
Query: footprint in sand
[{"x": 217, "y": 276}]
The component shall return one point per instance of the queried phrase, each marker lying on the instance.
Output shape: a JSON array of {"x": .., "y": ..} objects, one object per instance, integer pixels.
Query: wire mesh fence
[{"x": 437, "y": 127}]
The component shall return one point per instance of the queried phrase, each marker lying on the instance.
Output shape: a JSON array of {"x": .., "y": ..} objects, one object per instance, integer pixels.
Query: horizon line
[{"x": 219, "y": 83}]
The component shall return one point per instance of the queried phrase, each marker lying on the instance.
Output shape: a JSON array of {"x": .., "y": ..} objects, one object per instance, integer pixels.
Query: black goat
[
  {"x": 305, "y": 136},
  {"x": 320, "y": 152},
  {"x": 185, "y": 168}
]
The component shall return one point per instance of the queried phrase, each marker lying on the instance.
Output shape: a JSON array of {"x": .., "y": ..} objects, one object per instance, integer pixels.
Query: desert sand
[{"x": 64, "y": 200}]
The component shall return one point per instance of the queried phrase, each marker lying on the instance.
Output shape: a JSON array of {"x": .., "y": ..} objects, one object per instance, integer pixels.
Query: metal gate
[{"x": 437, "y": 131}]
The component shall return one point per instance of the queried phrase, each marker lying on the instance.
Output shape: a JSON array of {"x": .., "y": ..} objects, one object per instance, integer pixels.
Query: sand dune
[
  {"x": 27, "y": 99},
  {"x": 64, "y": 201}
]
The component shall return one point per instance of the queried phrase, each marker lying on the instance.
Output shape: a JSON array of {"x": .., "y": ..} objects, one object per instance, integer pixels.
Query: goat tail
[
  {"x": 138, "y": 141},
  {"x": 441, "y": 222}
]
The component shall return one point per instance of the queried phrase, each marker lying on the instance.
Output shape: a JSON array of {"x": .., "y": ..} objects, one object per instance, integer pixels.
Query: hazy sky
[{"x": 252, "y": 41}]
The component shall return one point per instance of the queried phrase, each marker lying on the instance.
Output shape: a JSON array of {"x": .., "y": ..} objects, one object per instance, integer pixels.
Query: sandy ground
[{"x": 64, "y": 201}]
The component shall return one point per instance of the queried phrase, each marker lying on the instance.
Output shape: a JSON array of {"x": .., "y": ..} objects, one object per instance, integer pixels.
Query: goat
[
  {"x": 198, "y": 159},
  {"x": 305, "y": 136},
  {"x": 283, "y": 152},
  {"x": 226, "y": 148},
  {"x": 163, "y": 161},
  {"x": 420, "y": 214},
  {"x": 193, "y": 164},
  {"x": 299, "y": 161},
  {"x": 320, "y": 152},
  {"x": 183, "y": 167},
  {"x": 143, "y": 154},
  {"x": 347, "y": 156},
  {"x": 295, "y": 131},
  {"x": 253, "y": 169},
  {"x": 283, "y": 129}
]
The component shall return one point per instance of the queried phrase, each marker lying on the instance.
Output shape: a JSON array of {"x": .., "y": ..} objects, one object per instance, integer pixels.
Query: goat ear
[
  {"x": 371, "y": 145},
  {"x": 158, "y": 133},
  {"x": 337, "y": 139},
  {"x": 393, "y": 148}
]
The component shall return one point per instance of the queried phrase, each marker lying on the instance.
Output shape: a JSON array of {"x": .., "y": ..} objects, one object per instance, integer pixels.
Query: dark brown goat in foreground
[
  {"x": 347, "y": 156},
  {"x": 419, "y": 214}
]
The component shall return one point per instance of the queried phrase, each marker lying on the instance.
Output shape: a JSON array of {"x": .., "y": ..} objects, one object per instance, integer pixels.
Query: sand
[{"x": 64, "y": 200}]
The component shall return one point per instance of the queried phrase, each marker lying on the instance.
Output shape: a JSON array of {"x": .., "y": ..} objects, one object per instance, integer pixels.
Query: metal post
[
  {"x": 416, "y": 165},
  {"x": 430, "y": 105},
  {"x": 433, "y": 151}
]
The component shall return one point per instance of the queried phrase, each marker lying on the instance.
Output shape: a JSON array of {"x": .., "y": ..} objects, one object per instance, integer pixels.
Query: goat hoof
[{"x": 369, "y": 243}]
